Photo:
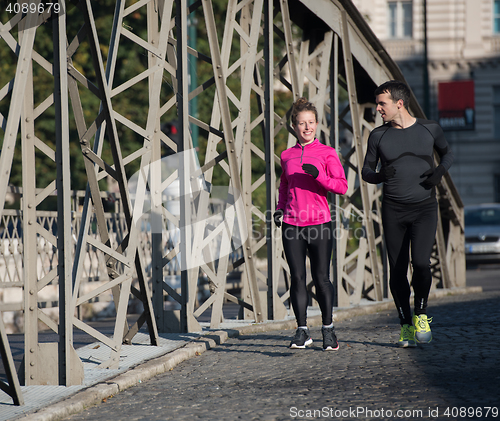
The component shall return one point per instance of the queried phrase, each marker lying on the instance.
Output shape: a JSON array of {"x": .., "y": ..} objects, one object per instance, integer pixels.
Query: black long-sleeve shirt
[{"x": 411, "y": 152}]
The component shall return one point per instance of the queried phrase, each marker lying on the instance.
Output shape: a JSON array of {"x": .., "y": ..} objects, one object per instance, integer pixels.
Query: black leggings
[
  {"x": 405, "y": 224},
  {"x": 317, "y": 240}
]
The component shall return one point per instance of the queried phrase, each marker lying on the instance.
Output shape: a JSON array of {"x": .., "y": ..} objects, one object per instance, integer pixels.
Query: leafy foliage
[{"x": 133, "y": 103}]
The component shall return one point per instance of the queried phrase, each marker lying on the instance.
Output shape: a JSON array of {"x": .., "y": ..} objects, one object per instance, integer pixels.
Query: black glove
[
  {"x": 311, "y": 170},
  {"x": 434, "y": 177},
  {"x": 387, "y": 172},
  {"x": 277, "y": 217}
]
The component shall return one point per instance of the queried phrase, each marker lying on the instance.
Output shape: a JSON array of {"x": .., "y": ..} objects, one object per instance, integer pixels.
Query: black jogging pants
[
  {"x": 408, "y": 225},
  {"x": 316, "y": 241}
]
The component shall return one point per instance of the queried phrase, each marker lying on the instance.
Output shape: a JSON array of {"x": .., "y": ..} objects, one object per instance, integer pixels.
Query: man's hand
[
  {"x": 311, "y": 170},
  {"x": 277, "y": 217},
  {"x": 433, "y": 177}
]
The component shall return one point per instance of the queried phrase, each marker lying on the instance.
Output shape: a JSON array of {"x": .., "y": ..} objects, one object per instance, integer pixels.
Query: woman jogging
[{"x": 310, "y": 170}]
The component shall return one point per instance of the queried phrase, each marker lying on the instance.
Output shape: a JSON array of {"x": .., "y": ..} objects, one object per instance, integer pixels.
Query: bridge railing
[{"x": 94, "y": 267}]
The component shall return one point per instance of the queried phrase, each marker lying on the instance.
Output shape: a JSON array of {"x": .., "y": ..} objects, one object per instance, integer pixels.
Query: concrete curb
[
  {"x": 76, "y": 403},
  {"x": 95, "y": 394}
]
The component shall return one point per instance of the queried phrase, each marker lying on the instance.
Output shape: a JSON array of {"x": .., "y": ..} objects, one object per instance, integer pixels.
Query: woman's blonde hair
[{"x": 302, "y": 104}]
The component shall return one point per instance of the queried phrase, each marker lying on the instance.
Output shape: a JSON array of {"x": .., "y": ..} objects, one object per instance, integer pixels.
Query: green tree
[{"x": 132, "y": 103}]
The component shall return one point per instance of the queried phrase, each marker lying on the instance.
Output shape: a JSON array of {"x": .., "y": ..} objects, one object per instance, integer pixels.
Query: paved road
[
  {"x": 257, "y": 377},
  {"x": 485, "y": 276}
]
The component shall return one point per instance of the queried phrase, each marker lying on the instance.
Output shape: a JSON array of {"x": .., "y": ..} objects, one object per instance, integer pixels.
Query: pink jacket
[{"x": 302, "y": 197}]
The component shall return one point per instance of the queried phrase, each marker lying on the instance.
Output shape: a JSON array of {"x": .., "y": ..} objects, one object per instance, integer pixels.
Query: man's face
[{"x": 387, "y": 108}]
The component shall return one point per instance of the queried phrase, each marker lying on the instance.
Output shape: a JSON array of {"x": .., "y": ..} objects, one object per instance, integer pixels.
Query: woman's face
[{"x": 305, "y": 127}]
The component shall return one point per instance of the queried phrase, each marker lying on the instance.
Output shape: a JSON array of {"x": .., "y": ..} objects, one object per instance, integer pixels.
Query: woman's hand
[{"x": 311, "y": 170}]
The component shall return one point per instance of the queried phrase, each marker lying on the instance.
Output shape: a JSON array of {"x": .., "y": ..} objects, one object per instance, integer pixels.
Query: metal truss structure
[{"x": 320, "y": 49}]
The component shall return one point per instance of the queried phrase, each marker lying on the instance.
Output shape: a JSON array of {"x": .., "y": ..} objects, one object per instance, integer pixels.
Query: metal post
[
  {"x": 188, "y": 281},
  {"x": 156, "y": 181},
  {"x": 356, "y": 129},
  {"x": 425, "y": 66},
  {"x": 271, "y": 230},
  {"x": 63, "y": 185},
  {"x": 26, "y": 40},
  {"x": 334, "y": 142},
  {"x": 23, "y": 99},
  {"x": 29, "y": 204},
  {"x": 193, "y": 76},
  {"x": 232, "y": 159}
]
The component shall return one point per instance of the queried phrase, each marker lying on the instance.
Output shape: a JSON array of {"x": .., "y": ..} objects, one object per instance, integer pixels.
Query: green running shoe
[
  {"x": 407, "y": 338},
  {"x": 423, "y": 334}
]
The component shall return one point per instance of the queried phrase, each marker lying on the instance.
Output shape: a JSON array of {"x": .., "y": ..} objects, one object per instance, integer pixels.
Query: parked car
[{"x": 482, "y": 233}]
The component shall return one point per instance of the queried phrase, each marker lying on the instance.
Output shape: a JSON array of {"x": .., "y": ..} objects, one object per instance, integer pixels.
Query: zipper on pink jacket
[{"x": 302, "y": 153}]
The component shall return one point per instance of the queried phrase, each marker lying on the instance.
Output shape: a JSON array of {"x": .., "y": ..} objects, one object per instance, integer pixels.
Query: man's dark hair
[{"x": 397, "y": 90}]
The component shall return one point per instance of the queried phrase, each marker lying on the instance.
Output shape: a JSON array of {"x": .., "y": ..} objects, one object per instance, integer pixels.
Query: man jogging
[{"x": 405, "y": 146}]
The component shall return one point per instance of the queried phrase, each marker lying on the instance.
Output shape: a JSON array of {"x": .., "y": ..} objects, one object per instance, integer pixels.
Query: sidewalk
[{"x": 140, "y": 362}]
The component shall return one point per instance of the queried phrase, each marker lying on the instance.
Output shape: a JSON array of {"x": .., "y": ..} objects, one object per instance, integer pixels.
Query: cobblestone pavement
[{"x": 257, "y": 377}]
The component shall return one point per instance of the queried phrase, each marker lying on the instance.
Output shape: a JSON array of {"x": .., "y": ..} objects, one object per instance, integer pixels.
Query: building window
[
  {"x": 496, "y": 110},
  {"x": 401, "y": 19},
  {"x": 496, "y": 17}
]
